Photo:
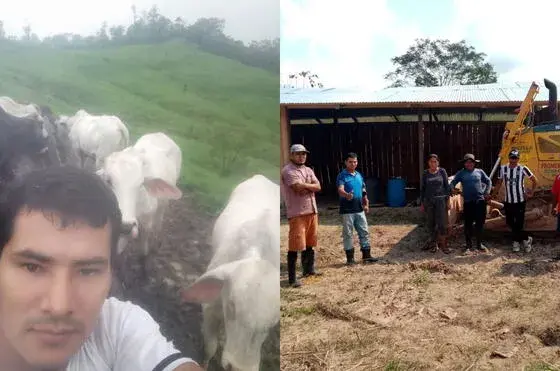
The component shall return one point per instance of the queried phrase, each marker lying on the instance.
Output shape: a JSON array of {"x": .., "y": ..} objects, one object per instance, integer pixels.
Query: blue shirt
[
  {"x": 352, "y": 183},
  {"x": 472, "y": 182}
]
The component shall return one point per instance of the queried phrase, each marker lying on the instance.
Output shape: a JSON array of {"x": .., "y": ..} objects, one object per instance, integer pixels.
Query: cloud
[
  {"x": 524, "y": 35},
  {"x": 344, "y": 39}
]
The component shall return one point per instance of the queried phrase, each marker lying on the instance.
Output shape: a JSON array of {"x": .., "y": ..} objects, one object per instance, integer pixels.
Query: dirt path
[
  {"x": 182, "y": 257},
  {"x": 421, "y": 311}
]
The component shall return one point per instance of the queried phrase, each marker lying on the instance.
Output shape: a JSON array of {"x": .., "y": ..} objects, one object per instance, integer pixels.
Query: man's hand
[
  {"x": 366, "y": 208},
  {"x": 300, "y": 188},
  {"x": 455, "y": 191},
  {"x": 555, "y": 211},
  {"x": 487, "y": 197},
  {"x": 350, "y": 196}
]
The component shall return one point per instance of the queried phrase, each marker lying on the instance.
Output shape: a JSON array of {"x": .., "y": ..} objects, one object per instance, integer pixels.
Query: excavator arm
[{"x": 514, "y": 129}]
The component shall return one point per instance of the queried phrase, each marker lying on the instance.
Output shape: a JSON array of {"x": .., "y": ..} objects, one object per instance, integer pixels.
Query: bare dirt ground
[
  {"x": 416, "y": 310},
  {"x": 181, "y": 258}
]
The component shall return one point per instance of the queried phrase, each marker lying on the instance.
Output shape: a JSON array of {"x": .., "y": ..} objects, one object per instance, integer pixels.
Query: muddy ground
[
  {"x": 181, "y": 258},
  {"x": 416, "y": 310}
]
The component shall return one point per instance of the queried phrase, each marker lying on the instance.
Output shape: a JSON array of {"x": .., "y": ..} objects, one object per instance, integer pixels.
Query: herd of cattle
[{"x": 240, "y": 290}]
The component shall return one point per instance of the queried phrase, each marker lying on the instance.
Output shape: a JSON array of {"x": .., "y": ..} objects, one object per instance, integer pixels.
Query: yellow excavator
[{"x": 536, "y": 135}]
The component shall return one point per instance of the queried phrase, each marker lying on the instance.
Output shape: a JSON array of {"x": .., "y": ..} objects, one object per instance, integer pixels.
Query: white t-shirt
[{"x": 126, "y": 338}]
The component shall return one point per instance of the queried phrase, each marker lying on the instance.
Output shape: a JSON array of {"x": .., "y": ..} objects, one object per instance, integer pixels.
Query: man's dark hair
[
  {"x": 350, "y": 155},
  {"x": 71, "y": 194}
]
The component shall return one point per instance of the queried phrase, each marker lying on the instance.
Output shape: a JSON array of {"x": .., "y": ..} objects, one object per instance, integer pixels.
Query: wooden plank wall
[
  {"x": 387, "y": 150},
  {"x": 452, "y": 140}
]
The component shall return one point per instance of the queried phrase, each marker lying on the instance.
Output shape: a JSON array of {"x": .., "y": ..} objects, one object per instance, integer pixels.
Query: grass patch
[
  {"x": 298, "y": 311},
  {"x": 540, "y": 366},
  {"x": 421, "y": 279},
  {"x": 399, "y": 365}
]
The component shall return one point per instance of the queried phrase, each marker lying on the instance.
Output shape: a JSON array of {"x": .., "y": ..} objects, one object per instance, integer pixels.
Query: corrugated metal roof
[{"x": 498, "y": 92}]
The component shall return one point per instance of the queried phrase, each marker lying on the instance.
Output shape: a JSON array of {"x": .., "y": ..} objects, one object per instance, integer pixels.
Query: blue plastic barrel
[
  {"x": 396, "y": 194},
  {"x": 372, "y": 187}
]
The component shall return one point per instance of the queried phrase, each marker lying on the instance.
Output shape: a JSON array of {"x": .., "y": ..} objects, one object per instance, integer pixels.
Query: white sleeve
[{"x": 140, "y": 346}]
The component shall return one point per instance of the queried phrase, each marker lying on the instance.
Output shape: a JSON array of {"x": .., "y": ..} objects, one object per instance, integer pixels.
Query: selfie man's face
[{"x": 53, "y": 283}]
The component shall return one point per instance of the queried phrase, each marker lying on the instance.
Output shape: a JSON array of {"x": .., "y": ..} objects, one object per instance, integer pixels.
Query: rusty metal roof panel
[{"x": 498, "y": 92}]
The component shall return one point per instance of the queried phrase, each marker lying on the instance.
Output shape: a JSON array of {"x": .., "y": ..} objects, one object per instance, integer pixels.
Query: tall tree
[
  {"x": 117, "y": 32},
  {"x": 441, "y": 62},
  {"x": 27, "y": 32},
  {"x": 102, "y": 34}
]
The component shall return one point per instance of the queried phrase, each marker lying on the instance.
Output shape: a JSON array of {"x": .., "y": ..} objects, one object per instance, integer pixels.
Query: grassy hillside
[{"x": 222, "y": 113}]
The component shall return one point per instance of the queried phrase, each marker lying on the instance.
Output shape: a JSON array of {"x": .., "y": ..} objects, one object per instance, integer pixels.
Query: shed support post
[
  {"x": 420, "y": 149},
  {"x": 284, "y": 136}
]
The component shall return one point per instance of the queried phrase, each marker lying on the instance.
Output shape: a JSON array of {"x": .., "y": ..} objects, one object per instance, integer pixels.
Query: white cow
[
  {"x": 93, "y": 138},
  {"x": 144, "y": 179},
  {"x": 241, "y": 287}
]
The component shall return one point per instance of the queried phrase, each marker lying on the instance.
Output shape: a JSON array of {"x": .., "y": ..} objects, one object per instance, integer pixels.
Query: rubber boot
[
  {"x": 309, "y": 269},
  {"x": 292, "y": 260},
  {"x": 443, "y": 244},
  {"x": 305, "y": 262},
  {"x": 350, "y": 257},
  {"x": 366, "y": 256}
]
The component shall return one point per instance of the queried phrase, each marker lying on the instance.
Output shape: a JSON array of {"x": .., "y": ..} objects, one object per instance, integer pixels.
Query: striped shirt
[{"x": 514, "y": 179}]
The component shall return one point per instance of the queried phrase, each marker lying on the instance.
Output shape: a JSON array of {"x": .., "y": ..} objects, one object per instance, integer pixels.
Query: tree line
[{"x": 151, "y": 27}]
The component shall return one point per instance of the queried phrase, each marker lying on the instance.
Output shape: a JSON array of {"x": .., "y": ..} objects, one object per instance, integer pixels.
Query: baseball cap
[
  {"x": 298, "y": 148},
  {"x": 469, "y": 156},
  {"x": 514, "y": 153}
]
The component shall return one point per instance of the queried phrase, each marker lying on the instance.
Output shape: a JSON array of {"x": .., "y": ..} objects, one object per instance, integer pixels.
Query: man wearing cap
[
  {"x": 476, "y": 191},
  {"x": 513, "y": 177},
  {"x": 299, "y": 185}
]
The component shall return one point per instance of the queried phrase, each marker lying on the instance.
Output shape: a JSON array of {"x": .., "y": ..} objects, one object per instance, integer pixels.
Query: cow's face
[
  {"x": 122, "y": 171},
  {"x": 251, "y": 306}
]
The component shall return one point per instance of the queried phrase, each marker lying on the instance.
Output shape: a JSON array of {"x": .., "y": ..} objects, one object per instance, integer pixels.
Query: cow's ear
[
  {"x": 208, "y": 287},
  {"x": 204, "y": 290},
  {"x": 159, "y": 188}
]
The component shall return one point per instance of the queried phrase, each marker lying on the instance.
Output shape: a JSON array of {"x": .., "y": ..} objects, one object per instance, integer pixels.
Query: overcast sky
[
  {"x": 351, "y": 43},
  {"x": 245, "y": 19}
]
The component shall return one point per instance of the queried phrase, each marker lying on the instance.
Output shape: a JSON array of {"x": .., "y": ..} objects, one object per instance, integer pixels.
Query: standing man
[
  {"x": 476, "y": 191},
  {"x": 513, "y": 176},
  {"x": 299, "y": 187},
  {"x": 353, "y": 206}
]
